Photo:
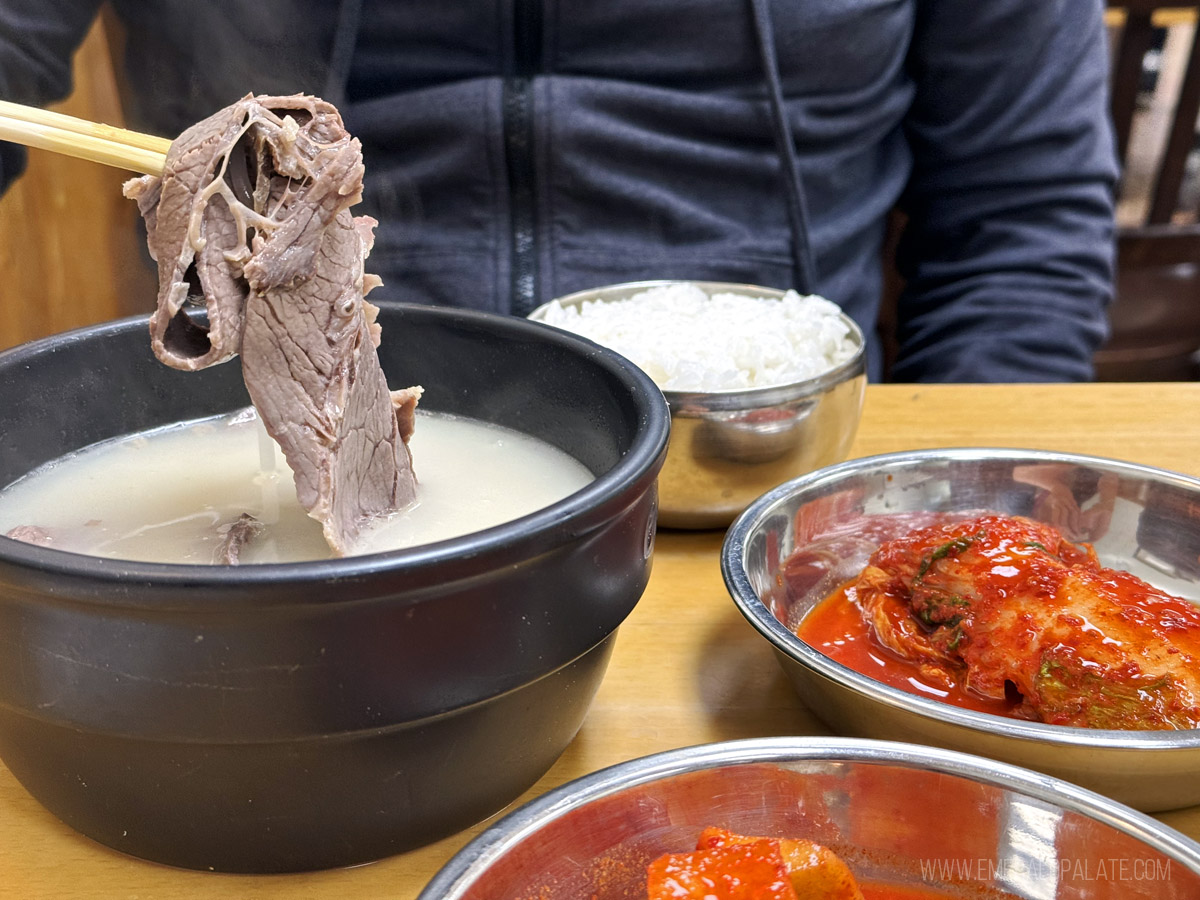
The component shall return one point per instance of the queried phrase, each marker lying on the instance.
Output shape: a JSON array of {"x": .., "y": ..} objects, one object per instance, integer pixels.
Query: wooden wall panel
[{"x": 70, "y": 250}]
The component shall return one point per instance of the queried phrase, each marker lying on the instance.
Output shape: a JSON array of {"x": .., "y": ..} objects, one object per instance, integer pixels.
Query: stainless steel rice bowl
[
  {"x": 897, "y": 813},
  {"x": 1139, "y": 518},
  {"x": 728, "y": 446}
]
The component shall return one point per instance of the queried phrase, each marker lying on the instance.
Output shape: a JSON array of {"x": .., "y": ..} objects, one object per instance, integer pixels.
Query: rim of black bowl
[
  {"x": 782, "y": 639},
  {"x": 734, "y": 399},
  {"x": 461, "y": 872},
  {"x": 527, "y": 535}
]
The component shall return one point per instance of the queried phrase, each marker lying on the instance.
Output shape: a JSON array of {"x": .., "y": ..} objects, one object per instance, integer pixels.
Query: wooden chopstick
[{"x": 80, "y": 138}]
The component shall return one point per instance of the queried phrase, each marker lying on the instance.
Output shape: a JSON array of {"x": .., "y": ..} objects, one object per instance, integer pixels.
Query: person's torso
[{"x": 521, "y": 150}]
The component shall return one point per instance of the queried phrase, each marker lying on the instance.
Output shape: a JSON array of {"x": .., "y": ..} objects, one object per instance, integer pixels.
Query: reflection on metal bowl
[
  {"x": 898, "y": 814},
  {"x": 757, "y": 436},
  {"x": 727, "y": 447},
  {"x": 1140, "y": 519}
]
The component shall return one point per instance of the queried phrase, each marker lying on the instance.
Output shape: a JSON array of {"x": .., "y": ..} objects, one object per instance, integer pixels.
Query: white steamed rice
[{"x": 686, "y": 340}]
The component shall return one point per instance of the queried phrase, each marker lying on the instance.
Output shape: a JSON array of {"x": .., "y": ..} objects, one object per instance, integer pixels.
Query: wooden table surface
[{"x": 687, "y": 669}]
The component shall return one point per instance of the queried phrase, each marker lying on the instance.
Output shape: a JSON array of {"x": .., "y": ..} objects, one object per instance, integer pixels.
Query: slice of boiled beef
[
  {"x": 251, "y": 215},
  {"x": 235, "y": 536},
  {"x": 31, "y": 534}
]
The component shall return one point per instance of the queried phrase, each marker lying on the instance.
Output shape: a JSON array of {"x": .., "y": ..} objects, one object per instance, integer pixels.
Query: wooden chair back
[{"x": 1156, "y": 316}]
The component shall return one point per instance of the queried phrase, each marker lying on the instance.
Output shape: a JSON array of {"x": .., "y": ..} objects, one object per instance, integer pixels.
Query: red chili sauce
[
  {"x": 729, "y": 866},
  {"x": 872, "y": 891},
  {"x": 835, "y": 626}
]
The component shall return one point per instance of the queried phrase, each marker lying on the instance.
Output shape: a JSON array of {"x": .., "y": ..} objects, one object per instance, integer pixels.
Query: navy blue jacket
[{"x": 517, "y": 150}]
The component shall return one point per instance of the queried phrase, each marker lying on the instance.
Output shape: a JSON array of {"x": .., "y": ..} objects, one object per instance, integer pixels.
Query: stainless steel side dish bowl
[
  {"x": 828, "y": 523},
  {"x": 904, "y": 816}
]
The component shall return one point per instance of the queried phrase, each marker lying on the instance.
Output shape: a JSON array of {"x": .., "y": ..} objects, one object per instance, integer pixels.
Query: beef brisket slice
[{"x": 252, "y": 211}]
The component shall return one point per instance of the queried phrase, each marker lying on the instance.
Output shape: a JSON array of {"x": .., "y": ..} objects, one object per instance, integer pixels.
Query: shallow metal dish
[
  {"x": 897, "y": 813},
  {"x": 1138, "y": 518},
  {"x": 727, "y": 447}
]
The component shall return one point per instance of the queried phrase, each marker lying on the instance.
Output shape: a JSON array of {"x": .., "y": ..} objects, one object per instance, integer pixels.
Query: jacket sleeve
[
  {"x": 37, "y": 40},
  {"x": 1008, "y": 251}
]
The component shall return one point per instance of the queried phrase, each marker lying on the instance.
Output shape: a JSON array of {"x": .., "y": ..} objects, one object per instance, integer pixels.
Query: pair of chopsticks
[{"x": 80, "y": 138}]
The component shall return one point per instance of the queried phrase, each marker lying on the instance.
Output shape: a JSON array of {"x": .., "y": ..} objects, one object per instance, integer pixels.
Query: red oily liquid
[
  {"x": 891, "y": 892},
  {"x": 835, "y": 627}
]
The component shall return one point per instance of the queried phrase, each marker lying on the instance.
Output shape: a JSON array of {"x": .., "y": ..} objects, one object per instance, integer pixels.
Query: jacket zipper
[{"x": 519, "y": 152}]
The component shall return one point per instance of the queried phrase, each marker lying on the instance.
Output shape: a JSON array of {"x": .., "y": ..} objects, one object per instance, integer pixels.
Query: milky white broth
[{"x": 161, "y": 495}]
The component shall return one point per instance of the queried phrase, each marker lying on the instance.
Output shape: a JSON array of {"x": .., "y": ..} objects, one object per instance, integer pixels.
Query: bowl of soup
[
  {"x": 1032, "y": 606},
  {"x": 281, "y": 714},
  {"x": 908, "y": 822}
]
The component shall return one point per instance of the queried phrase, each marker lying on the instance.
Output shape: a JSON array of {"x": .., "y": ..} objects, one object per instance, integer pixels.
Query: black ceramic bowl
[{"x": 273, "y": 718}]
